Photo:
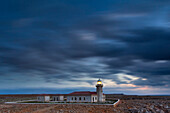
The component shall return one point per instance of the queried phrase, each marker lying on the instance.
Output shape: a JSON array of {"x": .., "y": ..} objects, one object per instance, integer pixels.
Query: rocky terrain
[
  {"x": 144, "y": 106},
  {"x": 11, "y": 98},
  {"x": 128, "y": 104}
]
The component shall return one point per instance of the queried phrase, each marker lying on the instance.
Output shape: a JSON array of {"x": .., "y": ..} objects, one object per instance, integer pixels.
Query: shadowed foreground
[{"x": 126, "y": 106}]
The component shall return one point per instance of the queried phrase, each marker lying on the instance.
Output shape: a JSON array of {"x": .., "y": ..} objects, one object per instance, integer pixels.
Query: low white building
[
  {"x": 44, "y": 98},
  {"x": 58, "y": 98},
  {"x": 51, "y": 97},
  {"x": 81, "y": 96}
]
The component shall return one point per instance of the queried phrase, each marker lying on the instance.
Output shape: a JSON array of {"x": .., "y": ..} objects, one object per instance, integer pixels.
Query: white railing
[{"x": 116, "y": 103}]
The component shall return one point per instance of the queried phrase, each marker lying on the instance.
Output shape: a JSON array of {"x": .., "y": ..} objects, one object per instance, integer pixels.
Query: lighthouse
[{"x": 99, "y": 90}]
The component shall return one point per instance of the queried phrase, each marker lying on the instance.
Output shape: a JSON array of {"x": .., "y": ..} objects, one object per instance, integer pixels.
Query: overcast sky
[{"x": 60, "y": 46}]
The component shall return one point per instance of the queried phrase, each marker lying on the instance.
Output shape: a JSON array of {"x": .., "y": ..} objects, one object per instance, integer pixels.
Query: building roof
[
  {"x": 99, "y": 80},
  {"x": 52, "y": 94},
  {"x": 83, "y": 93}
]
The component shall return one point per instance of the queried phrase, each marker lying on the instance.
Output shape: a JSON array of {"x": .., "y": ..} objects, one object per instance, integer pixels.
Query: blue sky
[{"x": 60, "y": 46}]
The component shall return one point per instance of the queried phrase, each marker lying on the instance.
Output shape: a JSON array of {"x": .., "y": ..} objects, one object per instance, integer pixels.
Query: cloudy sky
[{"x": 60, "y": 46}]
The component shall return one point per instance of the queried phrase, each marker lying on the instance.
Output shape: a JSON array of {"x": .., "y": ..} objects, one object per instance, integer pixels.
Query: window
[
  {"x": 75, "y": 98},
  {"x": 84, "y": 98},
  {"x": 79, "y": 98},
  {"x": 72, "y": 98},
  {"x": 95, "y": 98}
]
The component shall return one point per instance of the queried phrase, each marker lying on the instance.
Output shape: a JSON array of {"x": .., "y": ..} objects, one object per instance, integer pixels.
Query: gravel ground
[{"x": 126, "y": 106}]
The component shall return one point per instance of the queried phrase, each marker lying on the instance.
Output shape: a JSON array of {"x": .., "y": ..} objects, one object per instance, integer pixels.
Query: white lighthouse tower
[{"x": 99, "y": 90}]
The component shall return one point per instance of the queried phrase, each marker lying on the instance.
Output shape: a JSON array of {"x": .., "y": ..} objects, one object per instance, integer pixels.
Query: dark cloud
[{"x": 62, "y": 40}]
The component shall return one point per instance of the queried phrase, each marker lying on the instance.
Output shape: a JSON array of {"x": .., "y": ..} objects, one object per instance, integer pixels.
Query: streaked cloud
[{"x": 70, "y": 44}]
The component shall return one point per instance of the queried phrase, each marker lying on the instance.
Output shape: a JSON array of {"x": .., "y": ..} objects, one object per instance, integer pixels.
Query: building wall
[
  {"x": 93, "y": 98},
  {"x": 40, "y": 98},
  {"x": 57, "y": 98},
  {"x": 104, "y": 98},
  {"x": 47, "y": 98},
  {"x": 43, "y": 98},
  {"x": 78, "y": 98},
  {"x": 61, "y": 98}
]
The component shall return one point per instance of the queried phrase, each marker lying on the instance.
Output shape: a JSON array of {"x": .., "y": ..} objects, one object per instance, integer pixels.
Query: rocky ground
[
  {"x": 144, "y": 106},
  {"x": 126, "y": 106},
  {"x": 15, "y": 98}
]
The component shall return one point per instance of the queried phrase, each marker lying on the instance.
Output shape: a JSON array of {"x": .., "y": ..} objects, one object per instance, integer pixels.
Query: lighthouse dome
[{"x": 99, "y": 82}]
